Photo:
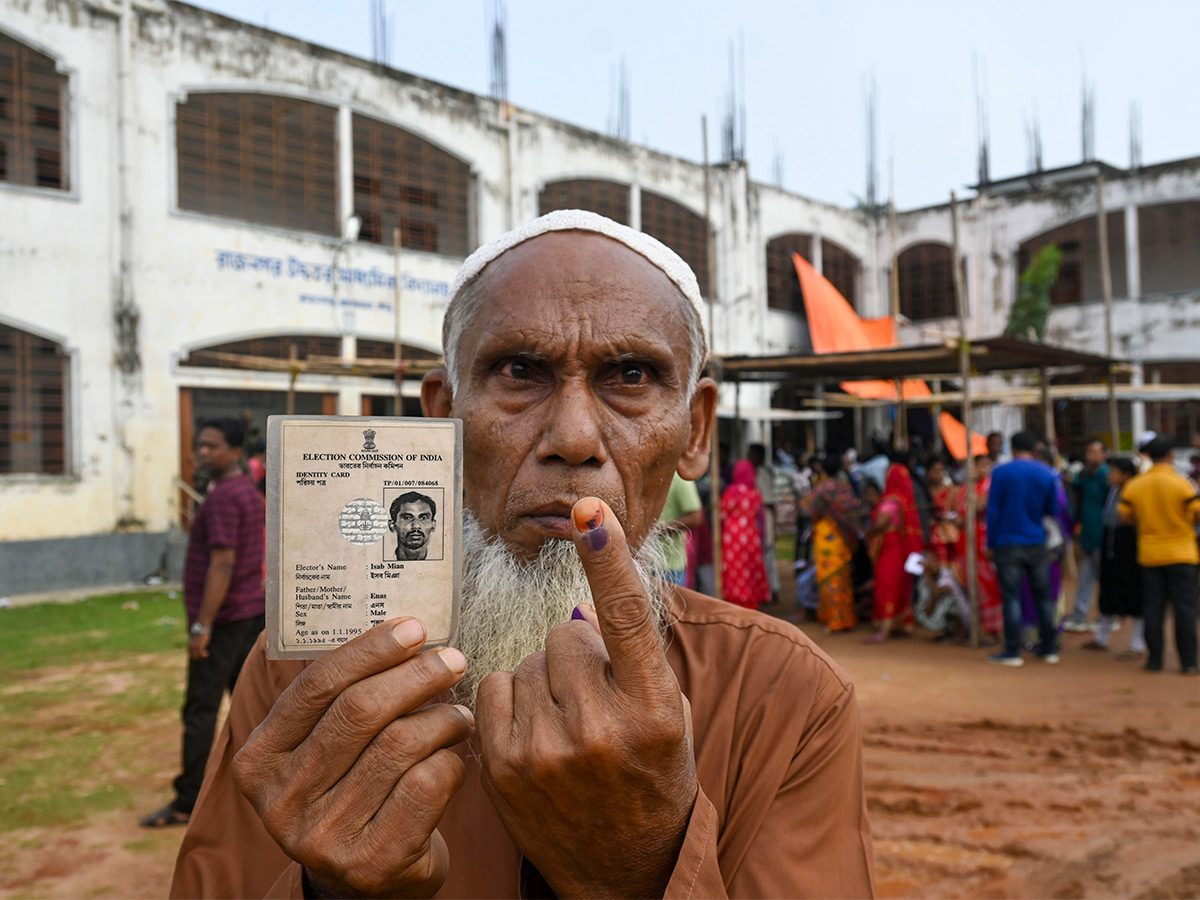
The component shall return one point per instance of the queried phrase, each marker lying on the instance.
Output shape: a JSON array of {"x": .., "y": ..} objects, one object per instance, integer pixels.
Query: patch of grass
[
  {"x": 143, "y": 845},
  {"x": 82, "y": 683},
  {"x": 96, "y": 629}
]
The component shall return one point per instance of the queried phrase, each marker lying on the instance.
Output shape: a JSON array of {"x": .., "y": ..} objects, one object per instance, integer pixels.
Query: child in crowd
[{"x": 942, "y": 604}]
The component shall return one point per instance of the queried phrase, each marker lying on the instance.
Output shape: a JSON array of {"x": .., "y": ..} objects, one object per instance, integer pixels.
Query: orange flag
[
  {"x": 834, "y": 327},
  {"x": 954, "y": 436}
]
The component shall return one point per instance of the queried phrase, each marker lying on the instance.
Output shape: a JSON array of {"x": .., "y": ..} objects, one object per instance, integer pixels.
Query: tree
[{"x": 1028, "y": 316}]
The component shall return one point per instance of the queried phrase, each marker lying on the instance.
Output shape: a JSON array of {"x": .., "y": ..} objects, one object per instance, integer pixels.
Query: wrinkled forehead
[
  {"x": 563, "y": 257},
  {"x": 583, "y": 283}
]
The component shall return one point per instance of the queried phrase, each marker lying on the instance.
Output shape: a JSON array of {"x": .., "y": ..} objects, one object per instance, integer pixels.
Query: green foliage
[
  {"x": 1031, "y": 311},
  {"x": 82, "y": 686}
]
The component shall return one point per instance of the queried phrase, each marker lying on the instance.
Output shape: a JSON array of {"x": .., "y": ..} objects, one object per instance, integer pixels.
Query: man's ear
[
  {"x": 436, "y": 398},
  {"x": 694, "y": 461}
]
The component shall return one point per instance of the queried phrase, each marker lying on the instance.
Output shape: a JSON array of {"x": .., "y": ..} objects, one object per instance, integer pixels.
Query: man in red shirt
[{"x": 224, "y": 596}]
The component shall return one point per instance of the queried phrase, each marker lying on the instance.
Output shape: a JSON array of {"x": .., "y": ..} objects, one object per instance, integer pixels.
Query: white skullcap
[{"x": 653, "y": 250}]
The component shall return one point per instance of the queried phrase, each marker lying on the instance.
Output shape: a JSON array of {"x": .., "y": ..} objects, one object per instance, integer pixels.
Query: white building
[{"x": 174, "y": 192}]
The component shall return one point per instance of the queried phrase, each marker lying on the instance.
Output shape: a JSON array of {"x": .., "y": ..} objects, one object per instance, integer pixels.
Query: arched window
[
  {"x": 681, "y": 230},
  {"x": 927, "y": 282},
  {"x": 1169, "y": 246},
  {"x": 404, "y": 180},
  {"x": 1079, "y": 274},
  {"x": 608, "y": 198},
  {"x": 33, "y": 404},
  {"x": 32, "y": 136},
  {"x": 259, "y": 157},
  {"x": 840, "y": 267},
  {"x": 783, "y": 285}
]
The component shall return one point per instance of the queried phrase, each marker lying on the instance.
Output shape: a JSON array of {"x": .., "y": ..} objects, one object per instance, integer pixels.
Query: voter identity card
[{"x": 364, "y": 523}]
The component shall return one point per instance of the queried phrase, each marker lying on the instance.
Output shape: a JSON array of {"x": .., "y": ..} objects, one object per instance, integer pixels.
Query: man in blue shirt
[{"x": 1023, "y": 493}]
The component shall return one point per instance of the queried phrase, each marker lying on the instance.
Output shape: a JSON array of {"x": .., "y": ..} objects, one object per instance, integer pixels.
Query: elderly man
[{"x": 633, "y": 739}]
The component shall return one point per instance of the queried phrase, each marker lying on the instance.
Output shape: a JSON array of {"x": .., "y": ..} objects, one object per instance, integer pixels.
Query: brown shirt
[{"x": 781, "y": 810}]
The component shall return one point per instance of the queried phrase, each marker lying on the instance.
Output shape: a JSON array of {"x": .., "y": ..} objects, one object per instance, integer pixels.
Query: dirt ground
[{"x": 1077, "y": 780}]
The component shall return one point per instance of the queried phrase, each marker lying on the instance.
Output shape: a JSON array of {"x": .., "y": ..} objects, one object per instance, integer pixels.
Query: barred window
[
  {"x": 1079, "y": 274},
  {"x": 32, "y": 137},
  {"x": 783, "y": 285},
  {"x": 927, "y": 282},
  {"x": 681, "y": 230},
  {"x": 840, "y": 267},
  {"x": 1169, "y": 246},
  {"x": 403, "y": 180},
  {"x": 33, "y": 404},
  {"x": 608, "y": 198},
  {"x": 260, "y": 158}
]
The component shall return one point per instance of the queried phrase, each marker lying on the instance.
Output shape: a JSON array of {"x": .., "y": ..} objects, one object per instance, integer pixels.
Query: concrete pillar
[
  {"x": 818, "y": 257},
  {"x": 1137, "y": 409},
  {"x": 1133, "y": 259},
  {"x": 635, "y": 206},
  {"x": 349, "y": 400},
  {"x": 345, "y": 172}
]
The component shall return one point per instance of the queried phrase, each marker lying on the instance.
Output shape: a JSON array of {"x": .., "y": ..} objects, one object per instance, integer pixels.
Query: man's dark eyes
[{"x": 632, "y": 374}]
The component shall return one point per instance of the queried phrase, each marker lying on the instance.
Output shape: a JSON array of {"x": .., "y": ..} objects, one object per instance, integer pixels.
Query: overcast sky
[{"x": 807, "y": 65}]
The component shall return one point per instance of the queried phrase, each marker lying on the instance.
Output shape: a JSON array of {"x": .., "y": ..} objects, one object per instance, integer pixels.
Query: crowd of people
[{"x": 884, "y": 541}]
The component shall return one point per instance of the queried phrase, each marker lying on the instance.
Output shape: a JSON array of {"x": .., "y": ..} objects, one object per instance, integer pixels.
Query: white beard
[{"x": 509, "y": 605}]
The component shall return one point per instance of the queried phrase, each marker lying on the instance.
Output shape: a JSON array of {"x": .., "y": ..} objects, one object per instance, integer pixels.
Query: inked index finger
[
  {"x": 627, "y": 621},
  {"x": 306, "y": 699}
]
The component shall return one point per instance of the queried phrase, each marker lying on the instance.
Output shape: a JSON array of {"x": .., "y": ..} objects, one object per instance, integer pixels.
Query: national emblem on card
[{"x": 369, "y": 439}]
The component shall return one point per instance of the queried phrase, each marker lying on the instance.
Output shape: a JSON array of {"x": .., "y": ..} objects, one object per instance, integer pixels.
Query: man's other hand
[
  {"x": 351, "y": 771},
  {"x": 198, "y": 646},
  {"x": 587, "y": 746}
]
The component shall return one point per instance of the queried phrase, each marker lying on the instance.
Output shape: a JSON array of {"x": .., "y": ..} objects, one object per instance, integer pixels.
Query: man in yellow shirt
[{"x": 1165, "y": 508}]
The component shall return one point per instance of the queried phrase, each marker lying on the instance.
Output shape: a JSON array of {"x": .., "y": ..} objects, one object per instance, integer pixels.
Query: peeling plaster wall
[{"x": 58, "y": 254}]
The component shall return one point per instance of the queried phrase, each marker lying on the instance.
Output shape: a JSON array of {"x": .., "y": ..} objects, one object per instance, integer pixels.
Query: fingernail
[
  {"x": 577, "y": 615},
  {"x": 467, "y": 714},
  {"x": 409, "y": 633},
  {"x": 454, "y": 660},
  {"x": 589, "y": 519}
]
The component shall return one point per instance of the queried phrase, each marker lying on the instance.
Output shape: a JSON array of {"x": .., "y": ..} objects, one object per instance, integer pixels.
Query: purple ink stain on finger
[
  {"x": 596, "y": 539},
  {"x": 577, "y": 615}
]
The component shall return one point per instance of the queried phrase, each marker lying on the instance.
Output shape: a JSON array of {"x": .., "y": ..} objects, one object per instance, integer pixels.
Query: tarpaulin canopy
[
  {"x": 954, "y": 436},
  {"x": 834, "y": 327}
]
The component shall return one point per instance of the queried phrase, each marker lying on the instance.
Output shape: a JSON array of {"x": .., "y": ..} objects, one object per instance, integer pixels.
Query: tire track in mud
[{"x": 989, "y": 808}]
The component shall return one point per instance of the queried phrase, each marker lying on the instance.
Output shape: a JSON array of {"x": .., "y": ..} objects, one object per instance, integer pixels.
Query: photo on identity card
[{"x": 364, "y": 523}]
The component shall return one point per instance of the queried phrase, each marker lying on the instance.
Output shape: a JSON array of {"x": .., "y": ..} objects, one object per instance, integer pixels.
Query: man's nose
[{"x": 572, "y": 431}]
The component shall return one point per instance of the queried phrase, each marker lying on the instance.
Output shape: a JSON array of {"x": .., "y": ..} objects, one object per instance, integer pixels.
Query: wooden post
[
  {"x": 398, "y": 347},
  {"x": 1048, "y": 412},
  {"x": 294, "y": 370},
  {"x": 1114, "y": 421},
  {"x": 714, "y": 450},
  {"x": 964, "y": 373}
]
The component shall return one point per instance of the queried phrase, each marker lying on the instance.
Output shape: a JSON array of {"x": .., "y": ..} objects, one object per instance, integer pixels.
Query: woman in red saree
[
  {"x": 743, "y": 571},
  {"x": 945, "y": 530},
  {"x": 895, "y": 533},
  {"x": 991, "y": 615}
]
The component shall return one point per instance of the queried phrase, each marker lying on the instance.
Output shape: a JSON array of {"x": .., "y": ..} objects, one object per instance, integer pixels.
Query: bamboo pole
[
  {"x": 964, "y": 372},
  {"x": 714, "y": 450},
  {"x": 294, "y": 360},
  {"x": 1114, "y": 422},
  {"x": 901, "y": 430}
]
